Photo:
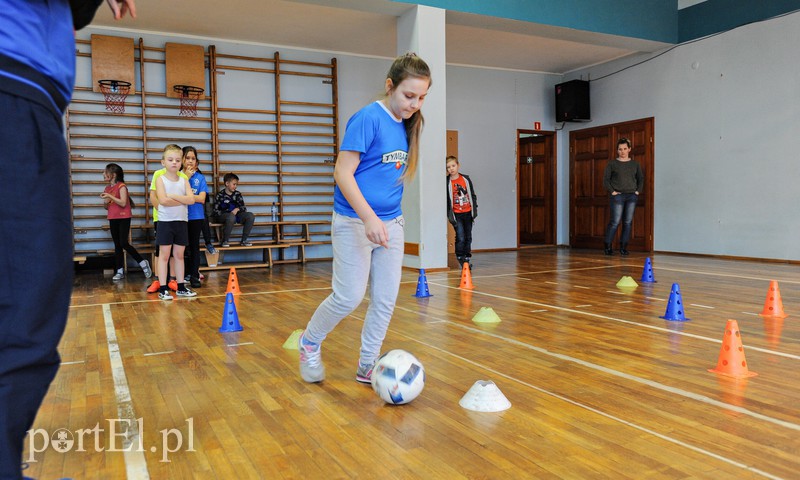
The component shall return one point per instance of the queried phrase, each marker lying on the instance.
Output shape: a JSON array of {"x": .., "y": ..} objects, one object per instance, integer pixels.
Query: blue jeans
[
  {"x": 622, "y": 207},
  {"x": 463, "y": 229}
]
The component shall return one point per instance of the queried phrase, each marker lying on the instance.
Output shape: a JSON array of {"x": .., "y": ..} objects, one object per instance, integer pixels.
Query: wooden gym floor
[{"x": 600, "y": 386}]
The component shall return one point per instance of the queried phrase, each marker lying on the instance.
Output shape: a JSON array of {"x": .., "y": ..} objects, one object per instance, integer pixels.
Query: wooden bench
[
  {"x": 284, "y": 235},
  {"x": 282, "y": 231},
  {"x": 267, "y": 259}
]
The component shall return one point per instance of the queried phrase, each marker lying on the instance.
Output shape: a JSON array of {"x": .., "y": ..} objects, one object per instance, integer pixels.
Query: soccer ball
[{"x": 398, "y": 377}]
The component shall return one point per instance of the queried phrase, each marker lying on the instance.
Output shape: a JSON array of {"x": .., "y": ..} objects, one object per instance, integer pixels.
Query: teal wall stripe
[
  {"x": 646, "y": 19},
  {"x": 713, "y": 16}
]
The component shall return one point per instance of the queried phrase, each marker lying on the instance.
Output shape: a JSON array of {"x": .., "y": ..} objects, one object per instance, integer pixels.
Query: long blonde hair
[{"x": 403, "y": 67}]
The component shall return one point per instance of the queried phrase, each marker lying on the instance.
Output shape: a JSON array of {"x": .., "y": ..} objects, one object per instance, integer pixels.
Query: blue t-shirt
[
  {"x": 40, "y": 35},
  {"x": 198, "y": 184},
  {"x": 381, "y": 140}
]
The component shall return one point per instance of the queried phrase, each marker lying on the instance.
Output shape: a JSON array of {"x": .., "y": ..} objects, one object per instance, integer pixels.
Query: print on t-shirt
[{"x": 461, "y": 200}]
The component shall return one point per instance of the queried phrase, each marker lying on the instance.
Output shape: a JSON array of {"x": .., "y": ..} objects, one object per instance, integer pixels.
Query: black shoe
[
  {"x": 194, "y": 282},
  {"x": 623, "y": 249},
  {"x": 469, "y": 261},
  {"x": 460, "y": 261},
  {"x": 607, "y": 249}
]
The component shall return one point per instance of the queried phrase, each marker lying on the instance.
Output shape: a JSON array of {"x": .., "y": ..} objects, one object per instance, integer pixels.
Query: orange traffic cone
[
  {"x": 731, "y": 356},
  {"x": 773, "y": 306},
  {"x": 233, "y": 283},
  {"x": 466, "y": 277}
]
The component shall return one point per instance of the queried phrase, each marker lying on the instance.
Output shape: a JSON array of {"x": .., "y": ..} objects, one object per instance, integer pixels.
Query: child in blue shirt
[
  {"x": 379, "y": 151},
  {"x": 196, "y": 214}
]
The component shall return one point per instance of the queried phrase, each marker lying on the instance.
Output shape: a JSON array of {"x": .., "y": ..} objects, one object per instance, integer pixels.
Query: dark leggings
[
  {"x": 206, "y": 231},
  {"x": 193, "y": 258},
  {"x": 120, "y": 228}
]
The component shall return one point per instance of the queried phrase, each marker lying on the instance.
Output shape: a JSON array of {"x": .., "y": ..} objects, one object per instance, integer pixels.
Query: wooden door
[
  {"x": 536, "y": 187},
  {"x": 590, "y": 150},
  {"x": 452, "y": 149}
]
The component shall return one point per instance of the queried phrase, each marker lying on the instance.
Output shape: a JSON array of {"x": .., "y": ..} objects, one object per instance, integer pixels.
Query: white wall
[
  {"x": 727, "y": 119},
  {"x": 487, "y": 107}
]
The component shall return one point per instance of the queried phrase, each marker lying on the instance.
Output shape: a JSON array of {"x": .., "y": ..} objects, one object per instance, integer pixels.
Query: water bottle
[{"x": 274, "y": 211}]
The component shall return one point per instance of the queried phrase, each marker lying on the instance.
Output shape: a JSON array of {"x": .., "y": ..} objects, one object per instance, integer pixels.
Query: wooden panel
[
  {"x": 452, "y": 143},
  {"x": 185, "y": 65},
  {"x": 452, "y": 149},
  {"x": 112, "y": 59},
  {"x": 411, "y": 249}
]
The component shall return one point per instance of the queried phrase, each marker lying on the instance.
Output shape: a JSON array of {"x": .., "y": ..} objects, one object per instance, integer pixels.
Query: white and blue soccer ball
[{"x": 398, "y": 377}]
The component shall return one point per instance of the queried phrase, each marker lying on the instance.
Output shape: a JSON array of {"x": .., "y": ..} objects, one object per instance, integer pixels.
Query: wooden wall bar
[{"x": 282, "y": 147}]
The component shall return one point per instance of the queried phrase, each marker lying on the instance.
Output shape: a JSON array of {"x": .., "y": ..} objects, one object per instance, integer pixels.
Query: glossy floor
[{"x": 600, "y": 386}]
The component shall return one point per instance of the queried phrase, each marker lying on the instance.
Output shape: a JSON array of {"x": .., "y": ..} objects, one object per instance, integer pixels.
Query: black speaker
[{"x": 572, "y": 101}]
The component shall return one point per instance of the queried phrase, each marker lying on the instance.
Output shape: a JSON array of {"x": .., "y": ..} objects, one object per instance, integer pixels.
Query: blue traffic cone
[
  {"x": 647, "y": 272},
  {"x": 230, "y": 319},
  {"x": 422, "y": 285},
  {"x": 675, "y": 306}
]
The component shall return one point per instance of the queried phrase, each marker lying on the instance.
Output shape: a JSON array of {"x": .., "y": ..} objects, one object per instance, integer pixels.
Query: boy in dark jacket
[
  {"x": 229, "y": 209},
  {"x": 462, "y": 209}
]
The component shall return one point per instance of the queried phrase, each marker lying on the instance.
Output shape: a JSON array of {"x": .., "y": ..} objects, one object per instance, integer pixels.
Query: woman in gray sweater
[{"x": 623, "y": 179}]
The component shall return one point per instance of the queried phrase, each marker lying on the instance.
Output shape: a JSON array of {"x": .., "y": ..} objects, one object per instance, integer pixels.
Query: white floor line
[
  {"x": 626, "y": 301},
  {"x": 627, "y": 322},
  {"x": 701, "y": 306},
  {"x": 655, "y": 298},
  {"x": 750, "y": 313},
  {"x": 153, "y": 354},
  {"x": 537, "y": 311},
  {"x": 587, "y": 407},
  {"x": 239, "y": 344},
  {"x": 725, "y": 275},
  {"x": 581, "y": 306},
  {"x": 551, "y": 283},
  {"x": 135, "y": 463},
  {"x": 580, "y": 286},
  {"x": 76, "y": 362}
]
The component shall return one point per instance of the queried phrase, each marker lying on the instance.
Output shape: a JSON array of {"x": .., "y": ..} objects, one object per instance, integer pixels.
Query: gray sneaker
[
  {"x": 146, "y": 269},
  {"x": 364, "y": 373},
  {"x": 311, "y": 368},
  {"x": 119, "y": 275}
]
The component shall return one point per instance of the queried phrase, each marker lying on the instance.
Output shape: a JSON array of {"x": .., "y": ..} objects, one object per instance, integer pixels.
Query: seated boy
[{"x": 229, "y": 209}]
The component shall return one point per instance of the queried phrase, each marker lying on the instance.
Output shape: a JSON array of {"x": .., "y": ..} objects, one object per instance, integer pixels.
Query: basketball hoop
[
  {"x": 189, "y": 96},
  {"x": 115, "y": 93}
]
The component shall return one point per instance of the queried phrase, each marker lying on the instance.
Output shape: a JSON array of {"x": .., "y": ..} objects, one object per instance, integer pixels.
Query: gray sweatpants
[{"x": 357, "y": 261}]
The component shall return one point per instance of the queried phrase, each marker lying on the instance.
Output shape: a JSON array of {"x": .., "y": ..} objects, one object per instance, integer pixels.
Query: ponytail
[{"x": 403, "y": 67}]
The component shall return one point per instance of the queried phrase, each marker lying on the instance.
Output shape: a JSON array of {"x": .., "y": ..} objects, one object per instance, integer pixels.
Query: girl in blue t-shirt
[
  {"x": 197, "y": 213},
  {"x": 379, "y": 151}
]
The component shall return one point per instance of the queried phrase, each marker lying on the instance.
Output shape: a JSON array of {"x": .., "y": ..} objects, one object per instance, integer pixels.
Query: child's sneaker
[
  {"x": 225, "y": 244},
  {"x": 119, "y": 275},
  {"x": 186, "y": 278},
  {"x": 173, "y": 285},
  {"x": 154, "y": 287},
  {"x": 186, "y": 293},
  {"x": 146, "y": 268},
  {"x": 364, "y": 373},
  {"x": 164, "y": 295},
  {"x": 195, "y": 282},
  {"x": 245, "y": 243},
  {"x": 210, "y": 249},
  {"x": 311, "y": 368}
]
